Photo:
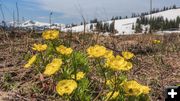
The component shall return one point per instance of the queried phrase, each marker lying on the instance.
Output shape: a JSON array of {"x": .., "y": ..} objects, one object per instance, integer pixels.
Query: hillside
[
  {"x": 124, "y": 26},
  {"x": 31, "y": 23},
  {"x": 36, "y": 24}
]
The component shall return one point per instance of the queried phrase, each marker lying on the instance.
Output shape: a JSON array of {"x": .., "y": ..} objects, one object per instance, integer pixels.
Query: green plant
[{"x": 95, "y": 75}]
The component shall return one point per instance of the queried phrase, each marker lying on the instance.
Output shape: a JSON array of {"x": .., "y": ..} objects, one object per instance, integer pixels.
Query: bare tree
[
  {"x": 50, "y": 19},
  {"x": 13, "y": 19},
  {"x": 79, "y": 8},
  {"x": 17, "y": 8},
  {"x": 2, "y": 12}
]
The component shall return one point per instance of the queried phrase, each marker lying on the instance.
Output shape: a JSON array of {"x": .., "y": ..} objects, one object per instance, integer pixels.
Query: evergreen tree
[
  {"x": 91, "y": 27},
  {"x": 167, "y": 8},
  {"x": 99, "y": 26},
  {"x": 113, "y": 18},
  {"x": 174, "y": 7},
  {"x": 81, "y": 23},
  {"x": 116, "y": 18},
  {"x": 112, "y": 27},
  {"x": 106, "y": 27},
  {"x": 94, "y": 20},
  {"x": 138, "y": 28},
  {"x": 133, "y": 26},
  {"x": 164, "y": 8}
]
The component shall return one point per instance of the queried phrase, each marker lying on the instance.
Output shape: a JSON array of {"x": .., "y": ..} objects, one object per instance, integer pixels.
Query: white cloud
[{"x": 91, "y": 8}]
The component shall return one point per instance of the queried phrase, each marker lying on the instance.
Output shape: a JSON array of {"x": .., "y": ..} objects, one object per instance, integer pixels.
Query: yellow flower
[
  {"x": 108, "y": 54},
  {"x": 132, "y": 88},
  {"x": 156, "y": 41},
  {"x": 66, "y": 87},
  {"x": 31, "y": 61},
  {"x": 127, "y": 55},
  {"x": 64, "y": 50},
  {"x": 145, "y": 89},
  {"x": 39, "y": 47},
  {"x": 53, "y": 67},
  {"x": 118, "y": 63},
  {"x": 79, "y": 75},
  {"x": 50, "y": 34},
  {"x": 128, "y": 66},
  {"x": 96, "y": 51},
  {"x": 115, "y": 94}
]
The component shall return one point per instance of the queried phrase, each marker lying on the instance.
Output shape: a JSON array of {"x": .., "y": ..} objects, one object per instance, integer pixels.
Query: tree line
[
  {"x": 155, "y": 10},
  {"x": 101, "y": 26},
  {"x": 156, "y": 24}
]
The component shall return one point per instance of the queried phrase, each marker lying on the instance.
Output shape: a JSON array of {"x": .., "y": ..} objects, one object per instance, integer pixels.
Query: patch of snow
[
  {"x": 167, "y": 32},
  {"x": 124, "y": 26},
  {"x": 31, "y": 23}
]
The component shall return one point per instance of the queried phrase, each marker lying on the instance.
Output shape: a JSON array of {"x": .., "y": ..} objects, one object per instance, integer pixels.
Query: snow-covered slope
[
  {"x": 79, "y": 28},
  {"x": 40, "y": 25},
  {"x": 169, "y": 14},
  {"x": 31, "y": 23},
  {"x": 124, "y": 26}
]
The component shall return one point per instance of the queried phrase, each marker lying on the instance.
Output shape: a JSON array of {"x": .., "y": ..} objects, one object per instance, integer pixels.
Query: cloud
[
  {"x": 72, "y": 9},
  {"x": 91, "y": 8}
]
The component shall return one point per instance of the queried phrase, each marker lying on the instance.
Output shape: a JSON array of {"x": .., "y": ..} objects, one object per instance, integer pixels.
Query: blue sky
[{"x": 68, "y": 11}]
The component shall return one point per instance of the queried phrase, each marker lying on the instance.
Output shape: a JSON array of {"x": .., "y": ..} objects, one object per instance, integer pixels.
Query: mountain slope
[
  {"x": 124, "y": 26},
  {"x": 31, "y": 23}
]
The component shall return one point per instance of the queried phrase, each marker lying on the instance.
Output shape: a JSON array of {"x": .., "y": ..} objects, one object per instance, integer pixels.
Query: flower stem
[
  {"x": 104, "y": 75},
  {"x": 115, "y": 86}
]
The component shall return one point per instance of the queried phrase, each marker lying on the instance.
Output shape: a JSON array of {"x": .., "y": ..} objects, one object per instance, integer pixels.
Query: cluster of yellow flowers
[
  {"x": 127, "y": 55},
  {"x": 108, "y": 54},
  {"x": 79, "y": 76},
  {"x": 50, "y": 34},
  {"x": 156, "y": 41},
  {"x": 96, "y": 51},
  {"x": 53, "y": 67},
  {"x": 132, "y": 88},
  {"x": 118, "y": 63},
  {"x": 114, "y": 62},
  {"x": 64, "y": 50},
  {"x": 39, "y": 47},
  {"x": 36, "y": 47},
  {"x": 66, "y": 87}
]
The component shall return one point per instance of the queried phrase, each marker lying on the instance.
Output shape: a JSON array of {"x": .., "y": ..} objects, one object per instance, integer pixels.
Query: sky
[{"x": 70, "y": 11}]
